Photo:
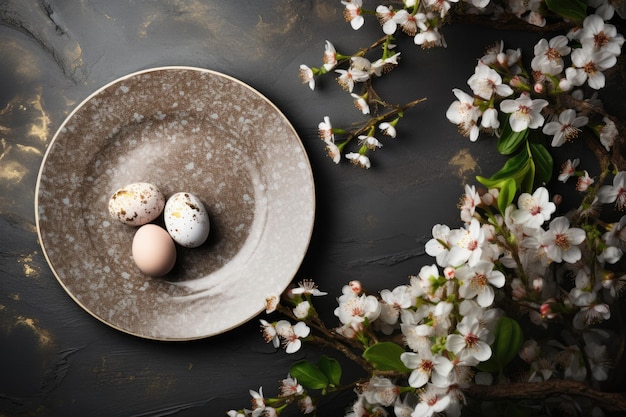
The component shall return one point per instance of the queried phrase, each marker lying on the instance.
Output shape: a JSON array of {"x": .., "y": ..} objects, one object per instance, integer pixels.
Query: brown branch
[
  {"x": 343, "y": 349},
  {"x": 610, "y": 401},
  {"x": 376, "y": 120},
  {"x": 616, "y": 156},
  {"x": 507, "y": 21}
]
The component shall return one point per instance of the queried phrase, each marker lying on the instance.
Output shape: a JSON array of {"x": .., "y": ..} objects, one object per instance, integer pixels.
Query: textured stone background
[{"x": 55, "y": 359}]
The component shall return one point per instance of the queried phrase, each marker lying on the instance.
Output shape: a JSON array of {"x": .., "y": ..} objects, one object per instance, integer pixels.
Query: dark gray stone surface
[{"x": 57, "y": 360}]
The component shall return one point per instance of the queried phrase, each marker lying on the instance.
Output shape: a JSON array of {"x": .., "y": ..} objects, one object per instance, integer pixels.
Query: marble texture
[{"x": 181, "y": 129}]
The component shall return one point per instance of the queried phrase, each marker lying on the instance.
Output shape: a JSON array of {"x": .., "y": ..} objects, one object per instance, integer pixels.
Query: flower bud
[
  {"x": 346, "y": 331},
  {"x": 518, "y": 291},
  {"x": 530, "y": 351},
  {"x": 360, "y": 63},
  {"x": 271, "y": 303},
  {"x": 449, "y": 272},
  {"x": 538, "y": 87},
  {"x": 565, "y": 84},
  {"x": 356, "y": 287},
  {"x": 301, "y": 311},
  {"x": 537, "y": 284},
  {"x": 546, "y": 309},
  {"x": 488, "y": 199},
  {"x": 517, "y": 81},
  {"x": 502, "y": 59}
]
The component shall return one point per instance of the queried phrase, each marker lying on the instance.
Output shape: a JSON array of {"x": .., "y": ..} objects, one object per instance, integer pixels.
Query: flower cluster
[
  {"x": 452, "y": 318},
  {"x": 500, "y": 77},
  {"x": 420, "y": 20},
  {"x": 290, "y": 390},
  {"x": 522, "y": 290},
  {"x": 562, "y": 272},
  {"x": 359, "y": 72}
]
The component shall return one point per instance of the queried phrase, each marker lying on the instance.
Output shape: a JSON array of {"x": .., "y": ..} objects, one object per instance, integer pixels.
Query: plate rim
[{"x": 86, "y": 100}]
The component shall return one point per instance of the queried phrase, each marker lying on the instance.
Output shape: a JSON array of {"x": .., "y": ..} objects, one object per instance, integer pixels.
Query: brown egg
[{"x": 154, "y": 251}]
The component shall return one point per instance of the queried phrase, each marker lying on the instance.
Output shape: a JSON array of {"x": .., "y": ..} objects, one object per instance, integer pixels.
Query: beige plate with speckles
[{"x": 182, "y": 129}]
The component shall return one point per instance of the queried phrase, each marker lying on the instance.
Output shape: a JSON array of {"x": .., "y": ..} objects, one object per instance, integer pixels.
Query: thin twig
[{"x": 376, "y": 120}]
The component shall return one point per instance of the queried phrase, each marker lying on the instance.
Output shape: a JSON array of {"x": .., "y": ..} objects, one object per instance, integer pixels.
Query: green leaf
[
  {"x": 507, "y": 194},
  {"x": 570, "y": 9},
  {"x": 309, "y": 375},
  {"x": 509, "y": 140},
  {"x": 509, "y": 339},
  {"x": 528, "y": 180},
  {"x": 331, "y": 368},
  {"x": 490, "y": 183},
  {"x": 543, "y": 162},
  {"x": 385, "y": 356},
  {"x": 513, "y": 168}
]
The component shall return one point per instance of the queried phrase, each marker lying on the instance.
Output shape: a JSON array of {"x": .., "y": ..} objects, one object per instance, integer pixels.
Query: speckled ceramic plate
[{"x": 182, "y": 129}]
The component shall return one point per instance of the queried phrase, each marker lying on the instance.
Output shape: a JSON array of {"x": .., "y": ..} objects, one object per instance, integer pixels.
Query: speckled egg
[
  {"x": 186, "y": 220},
  {"x": 137, "y": 204}
]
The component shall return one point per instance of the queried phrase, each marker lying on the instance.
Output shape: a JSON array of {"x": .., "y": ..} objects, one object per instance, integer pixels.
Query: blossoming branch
[{"x": 519, "y": 311}]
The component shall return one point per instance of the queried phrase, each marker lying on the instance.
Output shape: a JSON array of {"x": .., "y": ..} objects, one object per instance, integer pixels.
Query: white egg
[
  {"x": 186, "y": 220},
  {"x": 137, "y": 204}
]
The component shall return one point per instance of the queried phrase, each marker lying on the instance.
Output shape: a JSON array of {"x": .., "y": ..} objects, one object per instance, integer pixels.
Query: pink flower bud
[
  {"x": 516, "y": 81},
  {"x": 356, "y": 287},
  {"x": 538, "y": 87},
  {"x": 538, "y": 284},
  {"x": 546, "y": 309},
  {"x": 449, "y": 272}
]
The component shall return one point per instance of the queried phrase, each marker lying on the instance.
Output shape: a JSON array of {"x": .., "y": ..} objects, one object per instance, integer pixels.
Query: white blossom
[
  {"x": 525, "y": 112},
  {"x": 616, "y": 192},
  {"x": 568, "y": 169},
  {"x": 588, "y": 66},
  {"x": 356, "y": 310},
  {"x": 386, "y": 18},
  {"x": 486, "y": 82},
  {"x": 561, "y": 242},
  {"x": 598, "y": 35},
  {"x": 566, "y": 127},
  {"x": 425, "y": 365},
  {"x": 464, "y": 114},
  {"x": 608, "y": 133},
  {"x": 352, "y": 13},
  {"x": 307, "y": 77},
  {"x": 477, "y": 281},
  {"x": 472, "y": 342},
  {"x": 533, "y": 209},
  {"x": 330, "y": 56},
  {"x": 359, "y": 159},
  {"x": 291, "y": 335},
  {"x": 548, "y": 55}
]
